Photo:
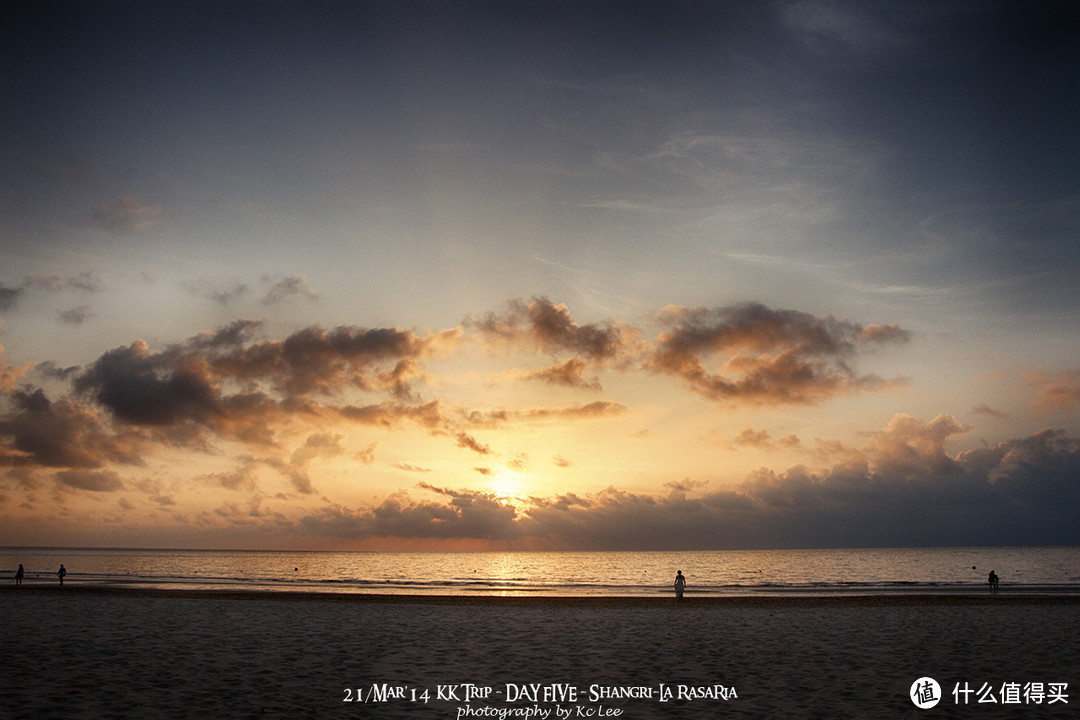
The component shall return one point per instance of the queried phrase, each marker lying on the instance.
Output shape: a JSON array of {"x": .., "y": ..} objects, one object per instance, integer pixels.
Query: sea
[{"x": 1029, "y": 570}]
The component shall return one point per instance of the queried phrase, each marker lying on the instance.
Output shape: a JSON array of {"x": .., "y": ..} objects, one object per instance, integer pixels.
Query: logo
[{"x": 925, "y": 693}]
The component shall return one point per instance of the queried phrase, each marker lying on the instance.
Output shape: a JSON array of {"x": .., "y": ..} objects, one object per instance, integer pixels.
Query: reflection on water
[{"x": 565, "y": 573}]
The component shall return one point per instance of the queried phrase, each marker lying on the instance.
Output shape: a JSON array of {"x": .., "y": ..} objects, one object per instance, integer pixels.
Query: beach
[{"x": 91, "y": 652}]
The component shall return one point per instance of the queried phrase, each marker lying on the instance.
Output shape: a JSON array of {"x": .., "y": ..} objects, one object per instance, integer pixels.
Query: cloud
[
  {"x": 10, "y": 375},
  {"x": 9, "y": 297},
  {"x": 61, "y": 434},
  {"x": 768, "y": 356},
  {"x": 223, "y": 292},
  {"x": 125, "y": 213},
  {"x": 984, "y": 409},
  {"x": 407, "y": 467},
  {"x": 469, "y": 442},
  {"x": 551, "y": 328},
  {"x": 319, "y": 445},
  {"x": 76, "y": 316},
  {"x": 458, "y": 514},
  {"x": 233, "y": 384},
  {"x": 241, "y": 478},
  {"x": 85, "y": 282},
  {"x": 901, "y": 489},
  {"x": 753, "y": 438},
  {"x": 588, "y": 411},
  {"x": 569, "y": 374},
  {"x": 1056, "y": 391},
  {"x": 51, "y": 370},
  {"x": 100, "y": 481},
  {"x": 290, "y": 287}
]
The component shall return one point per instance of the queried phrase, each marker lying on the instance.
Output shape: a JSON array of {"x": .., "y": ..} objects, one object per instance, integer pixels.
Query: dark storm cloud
[{"x": 767, "y": 356}]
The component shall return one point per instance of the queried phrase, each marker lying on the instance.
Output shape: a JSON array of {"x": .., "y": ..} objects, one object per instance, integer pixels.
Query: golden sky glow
[{"x": 552, "y": 275}]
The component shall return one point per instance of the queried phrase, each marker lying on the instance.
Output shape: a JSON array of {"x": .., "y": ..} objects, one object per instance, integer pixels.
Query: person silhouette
[
  {"x": 19, "y": 575},
  {"x": 993, "y": 581},
  {"x": 61, "y": 573},
  {"x": 680, "y": 584}
]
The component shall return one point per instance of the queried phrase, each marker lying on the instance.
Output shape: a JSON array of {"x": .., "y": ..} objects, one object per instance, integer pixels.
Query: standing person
[
  {"x": 680, "y": 584},
  {"x": 19, "y": 575},
  {"x": 61, "y": 573},
  {"x": 993, "y": 580}
]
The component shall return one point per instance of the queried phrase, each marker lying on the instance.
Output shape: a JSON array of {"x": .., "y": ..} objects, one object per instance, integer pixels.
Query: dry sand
[{"x": 99, "y": 653}]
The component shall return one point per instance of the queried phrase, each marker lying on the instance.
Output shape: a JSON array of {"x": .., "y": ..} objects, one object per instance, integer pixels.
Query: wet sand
[{"x": 95, "y": 652}]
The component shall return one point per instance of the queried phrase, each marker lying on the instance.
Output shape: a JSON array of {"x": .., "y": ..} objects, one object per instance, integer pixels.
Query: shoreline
[{"x": 884, "y": 599}]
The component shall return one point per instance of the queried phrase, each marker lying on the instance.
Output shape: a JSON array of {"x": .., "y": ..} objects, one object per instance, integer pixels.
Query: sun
[{"x": 507, "y": 488}]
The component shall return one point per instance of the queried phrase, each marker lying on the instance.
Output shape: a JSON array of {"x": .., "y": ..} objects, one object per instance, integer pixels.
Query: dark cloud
[
  {"x": 496, "y": 418},
  {"x": 62, "y": 434},
  {"x": 85, "y": 282},
  {"x": 766, "y": 356},
  {"x": 984, "y": 409},
  {"x": 552, "y": 329},
  {"x": 52, "y": 371},
  {"x": 901, "y": 489},
  {"x": 469, "y": 442},
  {"x": 290, "y": 287},
  {"x": 222, "y": 292},
  {"x": 315, "y": 360},
  {"x": 76, "y": 316},
  {"x": 458, "y": 514},
  {"x": 9, "y": 297},
  {"x": 141, "y": 387},
  {"x": 233, "y": 384}
]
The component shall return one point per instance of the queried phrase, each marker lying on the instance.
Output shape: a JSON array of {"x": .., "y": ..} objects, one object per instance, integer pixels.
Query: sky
[{"x": 470, "y": 275}]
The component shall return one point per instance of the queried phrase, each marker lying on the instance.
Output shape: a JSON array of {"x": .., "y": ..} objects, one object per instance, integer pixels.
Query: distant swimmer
[{"x": 680, "y": 584}]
